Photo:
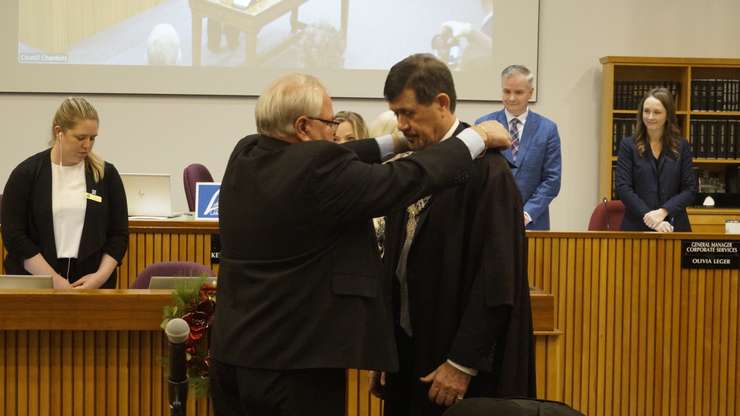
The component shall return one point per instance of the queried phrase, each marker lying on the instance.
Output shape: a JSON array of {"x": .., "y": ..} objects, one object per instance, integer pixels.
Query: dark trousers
[
  {"x": 254, "y": 392},
  {"x": 405, "y": 394}
]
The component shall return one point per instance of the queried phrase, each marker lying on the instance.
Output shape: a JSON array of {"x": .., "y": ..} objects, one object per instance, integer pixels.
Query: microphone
[{"x": 177, "y": 331}]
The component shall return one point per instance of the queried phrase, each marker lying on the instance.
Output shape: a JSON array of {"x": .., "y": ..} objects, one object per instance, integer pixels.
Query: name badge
[{"x": 93, "y": 197}]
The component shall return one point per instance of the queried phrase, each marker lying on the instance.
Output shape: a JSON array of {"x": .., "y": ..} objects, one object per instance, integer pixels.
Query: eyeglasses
[{"x": 333, "y": 124}]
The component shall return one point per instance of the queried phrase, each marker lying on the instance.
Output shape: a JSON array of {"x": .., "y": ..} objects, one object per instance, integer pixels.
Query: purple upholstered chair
[
  {"x": 170, "y": 268},
  {"x": 193, "y": 173}
]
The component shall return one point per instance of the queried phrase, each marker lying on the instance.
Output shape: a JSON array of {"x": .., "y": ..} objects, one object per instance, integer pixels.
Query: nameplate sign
[
  {"x": 206, "y": 200},
  {"x": 710, "y": 254}
]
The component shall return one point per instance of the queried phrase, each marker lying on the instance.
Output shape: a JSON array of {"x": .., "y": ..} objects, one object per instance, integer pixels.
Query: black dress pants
[{"x": 255, "y": 392}]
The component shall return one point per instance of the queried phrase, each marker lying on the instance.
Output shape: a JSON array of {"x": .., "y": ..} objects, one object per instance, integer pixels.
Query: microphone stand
[{"x": 177, "y": 331}]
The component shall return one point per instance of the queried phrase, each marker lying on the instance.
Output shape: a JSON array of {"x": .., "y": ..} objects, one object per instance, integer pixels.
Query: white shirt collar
[
  {"x": 451, "y": 131},
  {"x": 522, "y": 117}
]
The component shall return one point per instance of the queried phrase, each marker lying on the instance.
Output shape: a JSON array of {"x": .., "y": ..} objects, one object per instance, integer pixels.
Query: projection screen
[{"x": 236, "y": 47}]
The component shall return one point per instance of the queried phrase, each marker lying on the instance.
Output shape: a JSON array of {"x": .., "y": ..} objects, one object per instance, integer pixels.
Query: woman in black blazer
[
  {"x": 64, "y": 209},
  {"x": 654, "y": 174}
]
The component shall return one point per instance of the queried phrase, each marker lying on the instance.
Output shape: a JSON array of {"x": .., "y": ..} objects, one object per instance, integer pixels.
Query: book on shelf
[
  {"x": 621, "y": 127},
  {"x": 628, "y": 94},
  {"x": 715, "y": 138},
  {"x": 715, "y": 95}
]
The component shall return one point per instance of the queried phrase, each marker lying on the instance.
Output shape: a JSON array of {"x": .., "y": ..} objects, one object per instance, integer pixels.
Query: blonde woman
[
  {"x": 64, "y": 211},
  {"x": 351, "y": 127}
]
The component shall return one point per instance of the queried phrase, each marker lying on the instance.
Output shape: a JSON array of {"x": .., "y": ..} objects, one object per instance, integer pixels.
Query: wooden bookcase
[{"x": 684, "y": 72}]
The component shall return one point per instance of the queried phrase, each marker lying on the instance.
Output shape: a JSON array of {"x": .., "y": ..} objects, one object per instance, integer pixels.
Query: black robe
[{"x": 468, "y": 291}]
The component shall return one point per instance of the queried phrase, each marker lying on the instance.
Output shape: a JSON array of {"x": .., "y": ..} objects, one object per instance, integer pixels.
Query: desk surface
[{"x": 136, "y": 309}]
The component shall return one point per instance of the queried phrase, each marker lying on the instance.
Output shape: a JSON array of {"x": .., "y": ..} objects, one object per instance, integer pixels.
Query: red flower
[{"x": 198, "y": 322}]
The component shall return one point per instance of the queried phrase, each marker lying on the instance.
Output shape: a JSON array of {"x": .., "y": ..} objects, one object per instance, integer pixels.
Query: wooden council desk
[{"x": 630, "y": 332}]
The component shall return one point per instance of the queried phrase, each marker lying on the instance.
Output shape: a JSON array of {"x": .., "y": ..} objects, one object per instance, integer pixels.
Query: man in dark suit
[
  {"x": 535, "y": 150},
  {"x": 300, "y": 296},
  {"x": 456, "y": 262}
]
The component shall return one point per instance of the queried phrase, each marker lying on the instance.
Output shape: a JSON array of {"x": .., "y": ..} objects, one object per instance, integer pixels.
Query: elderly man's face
[
  {"x": 422, "y": 124},
  {"x": 323, "y": 126}
]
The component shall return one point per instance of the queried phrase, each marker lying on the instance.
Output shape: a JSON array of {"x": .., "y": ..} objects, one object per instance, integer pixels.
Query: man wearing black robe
[{"x": 460, "y": 291}]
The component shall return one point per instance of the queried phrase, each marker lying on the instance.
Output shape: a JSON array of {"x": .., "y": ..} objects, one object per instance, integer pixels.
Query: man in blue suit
[{"x": 535, "y": 151}]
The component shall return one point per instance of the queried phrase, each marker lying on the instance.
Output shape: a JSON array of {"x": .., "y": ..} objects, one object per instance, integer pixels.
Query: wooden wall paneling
[
  {"x": 664, "y": 328},
  {"x": 652, "y": 278},
  {"x": 157, "y": 244},
  {"x": 703, "y": 310},
  {"x": 570, "y": 328},
  {"x": 66, "y": 363},
  {"x": 594, "y": 331},
  {"x": 111, "y": 378},
  {"x": 33, "y": 373},
  {"x": 123, "y": 372},
  {"x": 11, "y": 380},
  {"x": 677, "y": 328},
  {"x": 4, "y": 370},
  {"x": 22, "y": 372},
  {"x": 135, "y": 369},
  {"x": 540, "y": 365},
  {"x": 101, "y": 372},
  {"x": 78, "y": 374},
  {"x": 577, "y": 326},
  {"x": 149, "y": 256},
  {"x": 55, "y": 362},
  {"x": 605, "y": 325},
  {"x": 159, "y": 395},
  {"x": 182, "y": 253},
  {"x": 166, "y": 244},
  {"x": 733, "y": 405},
  {"x": 614, "y": 403},
  {"x": 90, "y": 363},
  {"x": 726, "y": 312},
  {"x": 708, "y": 344},
  {"x": 146, "y": 372},
  {"x": 712, "y": 391},
  {"x": 634, "y": 322},
  {"x": 44, "y": 372}
]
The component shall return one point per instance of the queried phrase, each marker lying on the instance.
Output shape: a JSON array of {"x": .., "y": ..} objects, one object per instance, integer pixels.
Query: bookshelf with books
[{"x": 707, "y": 93}]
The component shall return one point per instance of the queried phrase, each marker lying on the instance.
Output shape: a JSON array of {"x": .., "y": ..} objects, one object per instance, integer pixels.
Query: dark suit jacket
[
  {"x": 468, "y": 288},
  {"x": 538, "y": 165},
  {"x": 644, "y": 185},
  {"x": 300, "y": 277},
  {"x": 28, "y": 225}
]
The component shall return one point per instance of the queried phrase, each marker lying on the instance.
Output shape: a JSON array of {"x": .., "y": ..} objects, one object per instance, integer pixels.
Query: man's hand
[
  {"x": 494, "y": 134},
  {"x": 448, "y": 384},
  {"x": 377, "y": 384},
  {"x": 664, "y": 227},
  {"x": 653, "y": 218}
]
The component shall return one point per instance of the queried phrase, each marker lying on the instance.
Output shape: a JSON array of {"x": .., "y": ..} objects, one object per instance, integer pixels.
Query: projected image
[{"x": 342, "y": 34}]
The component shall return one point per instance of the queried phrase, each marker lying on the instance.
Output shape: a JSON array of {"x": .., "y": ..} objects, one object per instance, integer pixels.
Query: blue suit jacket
[
  {"x": 644, "y": 185},
  {"x": 537, "y": 167}
]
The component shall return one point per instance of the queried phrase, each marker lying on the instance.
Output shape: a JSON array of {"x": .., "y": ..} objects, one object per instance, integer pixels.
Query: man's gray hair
[
  {"x": 285, "y": 100},
  {"x": 518, "y": 69}
]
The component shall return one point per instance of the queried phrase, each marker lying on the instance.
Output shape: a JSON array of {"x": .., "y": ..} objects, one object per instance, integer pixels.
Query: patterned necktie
[
  {"x": 413, "y": 212},
  {"x": 514, "y": 131}
]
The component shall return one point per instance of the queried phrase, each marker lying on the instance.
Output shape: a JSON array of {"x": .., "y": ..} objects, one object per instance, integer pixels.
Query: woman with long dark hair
[{"x": 654, "y": 175}]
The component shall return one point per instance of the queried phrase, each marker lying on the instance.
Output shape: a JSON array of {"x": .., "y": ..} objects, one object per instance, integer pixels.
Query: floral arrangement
[{"x": 194, "y": 302}]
